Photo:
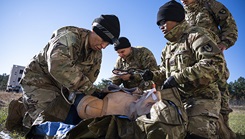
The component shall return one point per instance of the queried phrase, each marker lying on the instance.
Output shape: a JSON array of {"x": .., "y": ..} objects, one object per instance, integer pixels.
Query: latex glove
[
  {"x": 148, "y": 75},
  {"x": 169, "y": 83}
]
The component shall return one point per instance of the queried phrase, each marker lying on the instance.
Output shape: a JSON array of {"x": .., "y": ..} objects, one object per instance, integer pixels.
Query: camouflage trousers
[
  {"x": 224, "y": 130},
  {"x": 45, "y": 103},
  {"x": 115, "y": 127},
  {"x": 225, "y": 94},
  {"x": 203, "y": 115}
]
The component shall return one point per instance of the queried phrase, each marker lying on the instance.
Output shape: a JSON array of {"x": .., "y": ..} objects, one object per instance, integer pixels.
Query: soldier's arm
[
  {"x": 228, "y": 28},
  {"x": 116, "y": 80},
  {"x": 209, "y": 66},
  {"x": 147, "y": 61},
  {"x": 61, "y": 65},
  {"x": 159, "y": 75}
]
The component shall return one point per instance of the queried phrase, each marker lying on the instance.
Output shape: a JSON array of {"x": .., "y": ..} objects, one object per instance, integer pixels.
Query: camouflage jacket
[
  {"x": 139, "y": 58},
  {"x": 194, "y": 59},
  {"x": 67, "y": 60},
  {"x": 213, "y": 15}
]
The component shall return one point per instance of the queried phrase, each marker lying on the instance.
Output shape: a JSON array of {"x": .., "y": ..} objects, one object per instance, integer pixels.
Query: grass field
[{"x": 236, "y": 122}]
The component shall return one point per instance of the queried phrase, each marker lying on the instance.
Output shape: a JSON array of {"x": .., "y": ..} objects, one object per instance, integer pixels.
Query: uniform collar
[{"x": 174, "y": 34}]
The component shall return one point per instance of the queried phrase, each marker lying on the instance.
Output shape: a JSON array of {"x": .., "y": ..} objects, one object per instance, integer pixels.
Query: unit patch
[{"x": 208, "y": 48}]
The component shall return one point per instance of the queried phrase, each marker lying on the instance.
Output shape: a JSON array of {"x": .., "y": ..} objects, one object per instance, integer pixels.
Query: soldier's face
[
  {"x": 123, "y": 53},
  {"x": 96, "y": 42},
  {"x": 187, "y": 2},
  {"x": 167, "y": 26}
]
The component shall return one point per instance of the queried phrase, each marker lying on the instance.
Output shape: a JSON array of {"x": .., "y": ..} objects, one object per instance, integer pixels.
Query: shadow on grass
[{"x": 239, "y": 136}]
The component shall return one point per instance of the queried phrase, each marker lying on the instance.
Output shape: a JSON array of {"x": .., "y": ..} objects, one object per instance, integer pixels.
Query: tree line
[
  {"x": 3, "y": 81},
  {"x": 236, "y": 88},
  {"x": 237, "y": 91}
]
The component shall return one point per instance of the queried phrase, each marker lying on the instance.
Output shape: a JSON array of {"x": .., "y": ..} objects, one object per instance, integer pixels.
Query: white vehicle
[{"x": 14, "y": 78}]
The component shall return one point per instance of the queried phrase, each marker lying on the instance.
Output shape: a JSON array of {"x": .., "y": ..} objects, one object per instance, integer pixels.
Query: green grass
[
  {"x": 5, "y": 98},
  {"x": 3, "y": 115},
  {"x": 237, "y": 122}
]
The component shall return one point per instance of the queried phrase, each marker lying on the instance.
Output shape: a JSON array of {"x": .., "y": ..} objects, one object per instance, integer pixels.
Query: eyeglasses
[{"x": 161, "y": 23}]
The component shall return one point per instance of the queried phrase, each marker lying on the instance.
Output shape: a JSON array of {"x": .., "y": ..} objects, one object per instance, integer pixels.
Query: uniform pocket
[{"x": 167, "y": 112}]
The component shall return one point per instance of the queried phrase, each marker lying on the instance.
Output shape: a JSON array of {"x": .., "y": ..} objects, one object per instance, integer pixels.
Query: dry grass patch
[{"x": 6, "y": 97}]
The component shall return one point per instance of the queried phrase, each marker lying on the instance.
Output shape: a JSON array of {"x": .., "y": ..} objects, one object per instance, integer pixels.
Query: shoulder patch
[
  {"x": 208, "y": 48},
  {"x": 222, "y": 11}
]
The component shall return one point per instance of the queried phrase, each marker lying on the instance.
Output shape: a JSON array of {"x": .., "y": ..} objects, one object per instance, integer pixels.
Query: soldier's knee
[{"x": 203, "y": 126}]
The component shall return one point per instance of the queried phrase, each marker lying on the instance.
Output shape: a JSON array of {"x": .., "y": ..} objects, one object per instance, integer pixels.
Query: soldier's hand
[
  {"x": 125, "y": 77},
  {"x": 169, "y": 83},
  {"x": 148, "y": 75}
]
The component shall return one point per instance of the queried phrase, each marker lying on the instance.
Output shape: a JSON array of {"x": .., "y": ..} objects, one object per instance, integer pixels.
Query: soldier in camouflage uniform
[
  {"x": 215, "y": 17},
  {"x": 221, "y": 23},
  {"x": 133, "y": 57},
  {"x": 192, "y": 62},
  {"x": 69, "y": 62}
]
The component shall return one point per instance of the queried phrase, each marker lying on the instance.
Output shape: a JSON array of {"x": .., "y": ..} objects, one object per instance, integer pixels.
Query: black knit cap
[
  {"x": 123, "y": 43},
  {"x": 171, "y": 11},
  {"x": 107, "y": 27}
]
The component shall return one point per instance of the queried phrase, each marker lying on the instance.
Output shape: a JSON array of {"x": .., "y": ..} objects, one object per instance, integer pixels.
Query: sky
[{"x": 26, "y": 27}]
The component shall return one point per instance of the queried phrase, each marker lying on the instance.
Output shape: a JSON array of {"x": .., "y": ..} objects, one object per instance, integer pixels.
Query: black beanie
[
  {"x": 171, "y": 11},
  {"x": 107, "y": 27},
  {"x": 123, "y": 43}
]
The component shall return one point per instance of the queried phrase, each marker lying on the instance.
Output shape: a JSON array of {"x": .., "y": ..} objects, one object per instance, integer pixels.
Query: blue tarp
[
  {"x": 52, "y": 129},
  {"x": 57, "y": 129}
]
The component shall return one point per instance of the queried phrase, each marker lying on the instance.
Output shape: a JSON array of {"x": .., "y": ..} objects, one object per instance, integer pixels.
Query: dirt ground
[{"x": 6, "y": 97}]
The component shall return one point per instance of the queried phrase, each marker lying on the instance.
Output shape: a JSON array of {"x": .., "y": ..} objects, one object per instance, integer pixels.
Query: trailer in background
[{"x": 14, "y": 78}]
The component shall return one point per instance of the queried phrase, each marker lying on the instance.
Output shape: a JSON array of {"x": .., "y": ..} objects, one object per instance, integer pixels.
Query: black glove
[
  {"x": 148, "y": 75},
  {"x": 169, "y": 83}
]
